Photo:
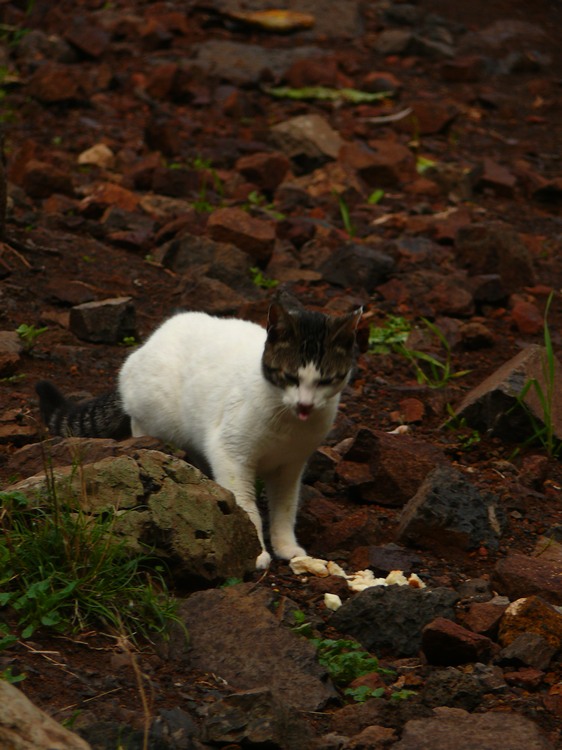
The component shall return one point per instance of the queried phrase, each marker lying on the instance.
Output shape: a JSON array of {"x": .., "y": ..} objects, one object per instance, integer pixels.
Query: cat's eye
[
  {"x": 326, "y": 381},
  {"x": 291, "y": 379}
]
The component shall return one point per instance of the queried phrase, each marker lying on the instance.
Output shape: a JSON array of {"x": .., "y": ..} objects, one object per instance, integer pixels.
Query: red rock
[
  {"x": 498, "y": 178},
  {"x": 314, "y": 71},
  {"x": 526, "y": 677},
  {"x": 385, "y": 163},
  {"x": 234, "y": 225},
  {"x": 518, "y": 576},
  {"x": 54, "y": 82},
  {"x": 87, "y": 37},
  {"x": 108, "y": 194},
  {"x": 9, "y": 362},
  {"x": 464, "y": 69},
  {"x": 161, "y": 79},
  {"x": 411, "y": 410},
  {"x": 482, "y": 618},
  {"x": 40, "y": 180},
  {"x": 527, "y": 317},
  {"x": 265, "y": 170},
  {"x": 447, "y": 643},
  {"x": 531, "y": 614},
  {"x": 381, "y": 81},
  {"x": 429, "y": 116}
]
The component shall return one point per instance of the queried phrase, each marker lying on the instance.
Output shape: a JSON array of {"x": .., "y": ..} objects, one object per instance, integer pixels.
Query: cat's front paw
[
  {"x": 288, "y": 551},
  {"x": 263, "y": 561}
]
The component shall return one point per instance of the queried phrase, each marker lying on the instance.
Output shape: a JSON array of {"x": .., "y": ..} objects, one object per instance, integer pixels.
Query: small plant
[
  {"x": 375, "y": 197},
  {"x": 129, "y": 341},
  {"x": 466, "y": 436},
  {"x": 345, "y": 661},
  {"x": 544, "y": 433},
  {"x": 231, "y": 581},
  {"x": 345, "y": 215},
  {"x": 63, "y": 569},
  {"x": 29, "y": 335},
  {"x": 430, "y": 370},
  {"x": 8, "y": 676},
  {"x": 383, "y": 339},
  {"x": 256, "y": 200},
  {"x": 364, "y": 692},
  {"x": 260, "y": 280},
  {"x": 208, "y": 176}
]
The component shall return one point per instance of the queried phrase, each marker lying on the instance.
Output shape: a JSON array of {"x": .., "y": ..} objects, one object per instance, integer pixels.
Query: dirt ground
[{"x": 58, "y": 252}]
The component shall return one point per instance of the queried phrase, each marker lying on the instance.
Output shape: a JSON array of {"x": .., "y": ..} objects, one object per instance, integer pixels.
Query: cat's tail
[{"x": 102, "y": 416}]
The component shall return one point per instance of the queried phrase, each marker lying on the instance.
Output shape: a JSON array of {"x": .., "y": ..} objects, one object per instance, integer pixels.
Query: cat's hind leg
[{"x": 282, "y": 488}]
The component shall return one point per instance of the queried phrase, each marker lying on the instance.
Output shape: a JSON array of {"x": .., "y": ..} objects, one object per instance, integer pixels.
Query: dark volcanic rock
[
  {"x": 448, "y": 511},
  {"x": 383, "y": 617}
]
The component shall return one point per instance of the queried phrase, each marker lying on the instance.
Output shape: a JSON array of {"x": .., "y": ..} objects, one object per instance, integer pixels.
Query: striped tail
[{"x": 101, "y": 417}]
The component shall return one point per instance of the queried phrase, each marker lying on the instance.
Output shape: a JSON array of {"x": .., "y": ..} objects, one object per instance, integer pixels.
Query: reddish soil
[{"x": 55, "y": 254}]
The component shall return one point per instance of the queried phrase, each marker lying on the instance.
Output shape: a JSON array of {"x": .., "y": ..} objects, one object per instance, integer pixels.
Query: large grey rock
[
  {"x": 393, "y": 617},
  {"x": 235, "y": 634},
  {"x": 448, "y": 512},
  {"x": 463, "y": 731},
  {"x": 493, "y": 405},
  {"x": 25, "y": 727},
  {"x": 454, "y": 688},
  {"x": 164, "y": 506}
]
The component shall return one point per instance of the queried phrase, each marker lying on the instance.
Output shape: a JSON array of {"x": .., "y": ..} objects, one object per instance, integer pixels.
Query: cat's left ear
[
  {"x": 346, "y": 325},
  {"x": 278, "y": 320}
]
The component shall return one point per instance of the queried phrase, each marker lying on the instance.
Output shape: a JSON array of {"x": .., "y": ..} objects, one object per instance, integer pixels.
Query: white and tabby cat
[{"x": 249, "y": 402}]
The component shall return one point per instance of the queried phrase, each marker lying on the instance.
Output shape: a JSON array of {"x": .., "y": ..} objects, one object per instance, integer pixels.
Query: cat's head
[{"x": 308, "y": 355}]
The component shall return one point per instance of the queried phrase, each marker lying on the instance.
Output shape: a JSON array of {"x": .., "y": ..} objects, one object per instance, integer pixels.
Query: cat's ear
[
  {"x": 346, "y": 325},
  {"x": 279, "y": 320}
]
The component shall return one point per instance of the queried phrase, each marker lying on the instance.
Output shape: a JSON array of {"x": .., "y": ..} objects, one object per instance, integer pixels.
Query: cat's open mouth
[{"x": 304, "y": 411}]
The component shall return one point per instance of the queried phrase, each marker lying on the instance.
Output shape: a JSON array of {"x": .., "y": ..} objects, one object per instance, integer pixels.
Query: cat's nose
[{"x": 304, "y": 410}]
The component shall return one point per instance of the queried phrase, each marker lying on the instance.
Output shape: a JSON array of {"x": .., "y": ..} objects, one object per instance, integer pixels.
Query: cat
[{"x": 251, "y": 402}]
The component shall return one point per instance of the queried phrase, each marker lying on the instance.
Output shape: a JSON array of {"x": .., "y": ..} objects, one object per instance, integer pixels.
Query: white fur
[{"x": 197, "y": 383}]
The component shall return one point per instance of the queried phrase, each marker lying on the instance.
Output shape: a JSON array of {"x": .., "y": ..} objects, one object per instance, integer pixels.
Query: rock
[
  {"x": 529, "y": 649},
  {"x": 400, "y": 612},
  {"x": 468, "y": 69},
  {"x": 465, "y": 731},
  {"x": 255, "y": 237},
  {"x": 265, "y": 170},
  {"x": 448, "y": 644},
  {"x": 357, "y": 267},
  {"x": 384, "y": 559},
  {"x": 531, "y": 615},
  {"x": 106, "y": 194},
  {"x": 496, "y": 248},
  {"x": 372, "y": 738},
  {"x": 307, "y": 139},
  {"x": 212, "y": 296},
  {"x": 493, "y": 405},
  {"x": 256, "y": 650},
  {"x": 496, "y": 178},
  {"x": 99, "y": 155},
  {"x": 449, "y": 512},
  {"x": 192, "y": 524},
  {"x": 40, "y": 180},
  {"x": 11, "y": 343},
  {"x": 384, "y": 163},
  {"x": 107, "y": 321},
  {"x": 356, "y": 717},
  {"x": 53, "y": 83},
  {"x": 453, "y": 688},
  {"x": 92, "y": 40},
  {"x": 219, "y": 260},
  {"x": 25, "y": 727},
  {"x": 475, "y": 335},
  {"x": 255, "y": 718},
  {"x": 242, "y": 63},
  {"x": 482, "y": 618},
  {"x": 518, "y": 576},
  {"x": 393, "y": 41},
  {"x": 527, "y": 317},
  {"x": 429, "y": 116},
  {"x": 373, "y": 466}
]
